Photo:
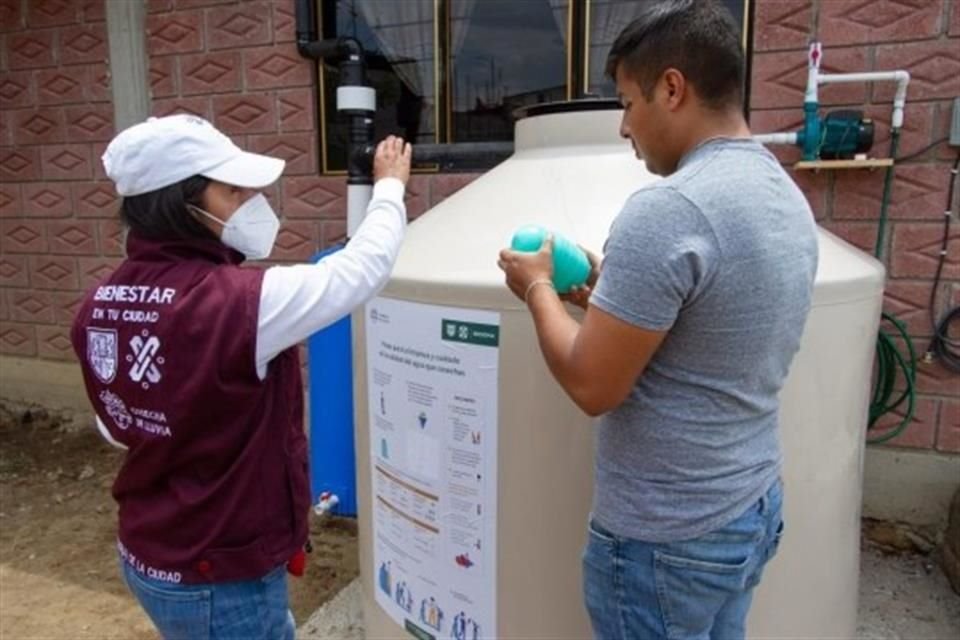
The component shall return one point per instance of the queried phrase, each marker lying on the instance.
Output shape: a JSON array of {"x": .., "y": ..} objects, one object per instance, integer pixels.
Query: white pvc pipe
[
  {"x": 789, "y": 137},
  {"x": 356, "y": 98},
  {"x": 814, "y": 56},
  {"x": 358, "y": 197},
  {"x": 363, "y": 99},
  {"x": 902, "y": 78}
]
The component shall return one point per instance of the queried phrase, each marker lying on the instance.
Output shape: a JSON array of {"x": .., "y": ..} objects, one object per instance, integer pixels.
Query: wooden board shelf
[{"x": 866, "y": 163}]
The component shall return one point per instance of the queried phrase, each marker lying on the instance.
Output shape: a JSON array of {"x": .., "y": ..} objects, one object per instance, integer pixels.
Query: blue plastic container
[{"x": 330, "y": 380}]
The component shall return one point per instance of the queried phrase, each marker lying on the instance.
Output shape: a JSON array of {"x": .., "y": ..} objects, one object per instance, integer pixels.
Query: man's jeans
[
  {"x": 697, "y": 589},
  {"x": 249, "y": 610}
]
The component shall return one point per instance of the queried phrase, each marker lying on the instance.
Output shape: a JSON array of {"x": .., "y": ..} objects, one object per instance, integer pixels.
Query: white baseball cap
[{"x": 163, "y": 151}]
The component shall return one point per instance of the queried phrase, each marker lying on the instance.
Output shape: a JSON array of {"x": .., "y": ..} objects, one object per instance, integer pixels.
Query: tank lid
[
  {"x": 566, "y": 106},
  {"x": 571, "y": 126}
]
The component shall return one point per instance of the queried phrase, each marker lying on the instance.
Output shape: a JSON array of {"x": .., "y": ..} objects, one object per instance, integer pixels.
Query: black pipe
[
  {"x": 318, "y": 49},
  {"x": 348, "y": 53},
  {"x": 353, "y": 63},
  {"x": 360, "y": 138},
  {"x": 446, "y": 156},
  {"x": 578, "y": 44},
  {"x": 309, "y": 46},
  {"x": 306, "y": 27}
]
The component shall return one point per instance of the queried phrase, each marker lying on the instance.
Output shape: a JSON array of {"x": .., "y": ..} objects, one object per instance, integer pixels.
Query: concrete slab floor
[
  {"x": 338, "y": 619},
  {"x": 905, "y": 597},
  {"x": 902, "y": 597}
]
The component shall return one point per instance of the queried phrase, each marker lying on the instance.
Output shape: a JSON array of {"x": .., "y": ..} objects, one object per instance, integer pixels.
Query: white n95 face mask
[{"x": 251, "y": 230}]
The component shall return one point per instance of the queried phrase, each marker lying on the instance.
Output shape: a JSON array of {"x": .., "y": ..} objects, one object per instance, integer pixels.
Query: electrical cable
[
  {"x": 891, "y": 362},
  {"x": 887, "y": 187},
  {"x": 920, "y": 152},
  {"x": 942, "y": 347}
]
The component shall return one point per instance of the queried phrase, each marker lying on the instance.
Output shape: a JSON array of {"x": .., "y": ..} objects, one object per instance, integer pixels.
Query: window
[
  {"x": 503, "y": 54},
  {"x": 399, "y": 40},
  {"x": 607, "y": 18},
  {"x": 455, "y": 70}
]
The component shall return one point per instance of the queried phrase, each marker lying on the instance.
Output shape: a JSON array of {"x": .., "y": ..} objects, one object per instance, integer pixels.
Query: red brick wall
[
  {"x": 235, "y": 63},
  {"x": 231, "y": 61},
  {"x": 923, "y": 37},
  {"x": 56, "y": 222}
]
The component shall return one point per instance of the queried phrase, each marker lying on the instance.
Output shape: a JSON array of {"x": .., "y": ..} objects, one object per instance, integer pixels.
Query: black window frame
[{"x": 577, "y": 45}]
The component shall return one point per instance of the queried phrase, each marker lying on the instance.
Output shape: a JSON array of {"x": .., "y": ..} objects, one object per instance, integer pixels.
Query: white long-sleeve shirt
[{"x": 299, "y": 300}]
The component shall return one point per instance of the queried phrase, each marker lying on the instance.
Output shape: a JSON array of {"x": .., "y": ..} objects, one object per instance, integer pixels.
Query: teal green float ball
[{"x": 571, "y": 267}]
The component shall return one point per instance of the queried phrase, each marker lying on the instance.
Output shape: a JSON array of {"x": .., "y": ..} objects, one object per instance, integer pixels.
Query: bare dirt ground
[
  {"x": 58, "y": 566},
  {"x": 59, "y": 577}
]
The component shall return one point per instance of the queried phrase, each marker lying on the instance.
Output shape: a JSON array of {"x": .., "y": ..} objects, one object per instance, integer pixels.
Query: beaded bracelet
[{"x": 533, "y": 284}]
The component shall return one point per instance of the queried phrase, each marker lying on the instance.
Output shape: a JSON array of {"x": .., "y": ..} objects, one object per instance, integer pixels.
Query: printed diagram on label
[
  {"x": 432, "y": 405},
  {"x": 402, "y": 595},
  {"x": 145, "y": 361},
  {"x": 464, "y": 628},
  {"x": 430, "y": 613}
]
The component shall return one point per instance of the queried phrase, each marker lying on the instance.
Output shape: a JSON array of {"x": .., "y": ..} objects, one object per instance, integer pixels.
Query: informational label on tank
[{"x": 432, "y": 383}]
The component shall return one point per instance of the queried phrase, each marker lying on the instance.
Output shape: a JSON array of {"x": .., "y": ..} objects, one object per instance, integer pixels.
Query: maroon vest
[{"x": 214, "y": 486}]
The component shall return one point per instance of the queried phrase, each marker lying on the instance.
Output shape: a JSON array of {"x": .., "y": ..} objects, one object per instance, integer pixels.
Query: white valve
[
  {"x": 326, "y": 503},
  {"x": 815, "y": 54}
]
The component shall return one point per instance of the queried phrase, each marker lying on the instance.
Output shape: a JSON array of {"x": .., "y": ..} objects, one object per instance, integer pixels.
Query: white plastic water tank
[{"x": 572, "y": 172}]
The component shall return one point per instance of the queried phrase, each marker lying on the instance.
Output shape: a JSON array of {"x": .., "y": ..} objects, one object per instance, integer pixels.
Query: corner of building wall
[
  {"x": 130, "y": 78},
  {"x": 914, "y": 487},
  {"x": 51, "y": 384}
]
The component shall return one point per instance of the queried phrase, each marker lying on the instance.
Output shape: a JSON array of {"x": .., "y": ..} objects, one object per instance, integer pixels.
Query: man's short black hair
[
  {"x": 163, "y": 214},
  {"x": 699, "y": 38}
]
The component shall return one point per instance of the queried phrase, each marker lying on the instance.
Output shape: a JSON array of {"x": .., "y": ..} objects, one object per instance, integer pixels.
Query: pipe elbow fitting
[
  {"x": 903, "y": 80},
  {"x": 350, "y": 47}
]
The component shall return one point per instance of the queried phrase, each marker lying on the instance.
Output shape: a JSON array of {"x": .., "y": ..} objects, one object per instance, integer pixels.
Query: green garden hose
[{"x": 890, "y": 362}]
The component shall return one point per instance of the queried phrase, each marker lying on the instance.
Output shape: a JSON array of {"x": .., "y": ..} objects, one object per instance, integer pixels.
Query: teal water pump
[{"x": 842, "y": 134}]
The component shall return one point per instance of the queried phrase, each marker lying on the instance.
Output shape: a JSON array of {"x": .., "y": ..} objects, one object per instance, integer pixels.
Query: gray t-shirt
[{"x": 722, "y": 255}]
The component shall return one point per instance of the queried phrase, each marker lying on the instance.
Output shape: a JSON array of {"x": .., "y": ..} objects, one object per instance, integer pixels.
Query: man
[{"x": 690, "y": 329}]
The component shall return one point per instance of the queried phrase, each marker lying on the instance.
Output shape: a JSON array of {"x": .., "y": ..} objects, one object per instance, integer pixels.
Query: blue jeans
[
  {"x": 249, "y": 610},
  {"x": 697, "y": 589}
]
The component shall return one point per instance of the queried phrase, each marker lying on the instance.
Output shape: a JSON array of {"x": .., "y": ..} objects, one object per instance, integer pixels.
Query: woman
[{"x": 190, "y": 362}]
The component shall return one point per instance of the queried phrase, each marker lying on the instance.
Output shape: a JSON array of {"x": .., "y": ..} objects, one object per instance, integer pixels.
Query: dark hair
[
  {"x": 697, "y": 37},
  {"x": 163, "y": 214}
]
